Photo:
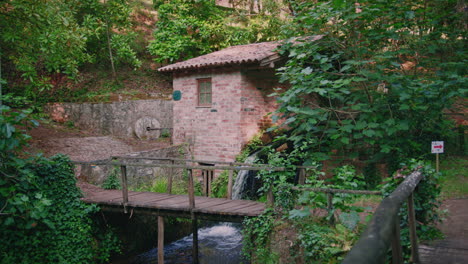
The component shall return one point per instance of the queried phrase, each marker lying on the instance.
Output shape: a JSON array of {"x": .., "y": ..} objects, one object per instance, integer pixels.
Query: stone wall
[{"x": 125, "y": 119}]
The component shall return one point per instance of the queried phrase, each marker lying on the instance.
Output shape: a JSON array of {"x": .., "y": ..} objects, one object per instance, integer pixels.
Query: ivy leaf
[
  {"x": 345, "y": 140},
  {"x": 349, "y": 220},
  {"x": 307, "y": 70},
  {"x": 369, "y": 132},
  {"x": 295, "y": 213}
]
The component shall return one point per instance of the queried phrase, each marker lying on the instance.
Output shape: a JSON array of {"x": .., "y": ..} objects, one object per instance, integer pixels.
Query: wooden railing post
[
  {"x": 397, "y": 252},
  {"x": 330, "y": 208},
  {"x": 191, "y": 190},
  {"x": 229, "y": 187},
  {"x": 169, "y": 180},
  {"x": 195, "y": 239},
  {"x": 302, "y": 174},
  {"x": 270, "y": 197},
  {"x": 205, "y": 182},
  {"x": 161, "y": 239},
  {"x": 123, "y": 172},
  {"x": 210, "y": 180},
  {"x": 412, "y": 229}
]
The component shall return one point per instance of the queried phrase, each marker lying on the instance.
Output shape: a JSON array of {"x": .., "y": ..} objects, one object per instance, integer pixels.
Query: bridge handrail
[
  {"x": 232, "y": 166},
  {"x": 384, "y": 228}
]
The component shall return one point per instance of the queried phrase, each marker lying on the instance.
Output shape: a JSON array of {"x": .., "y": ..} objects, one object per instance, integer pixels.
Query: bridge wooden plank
[
  {"x": 206, "y": 201},
  {"x": 230, "y": 208},
  {"x": 177, "y": 203},
  {"x": 248, "y": 209},
  {"x": 105, "y": 195},
  {"x": 239, "y": 209},
  {"x": 168, "y": 201},
  {"x": 174, "y": 201},
  {"x": 149, "y": 198},
  {"x": 227, "y": 205},
  {"x": 114, "y": 196},
  {"x": 212, "y": 203}
]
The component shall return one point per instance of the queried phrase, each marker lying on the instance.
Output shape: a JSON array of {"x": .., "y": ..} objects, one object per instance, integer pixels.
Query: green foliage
[
  {"x": 454, "y": 171},
  {"x": 346, "y": 178},
  {"x": 304, "y": 209},
  {"x": 426, "y": 202},
  {"x": 254, "y": 144},
  {"x": 45, "y": 40},
  {"x": 256, "y": 233},
  {"x": 219, "y": 185},
  {"x": 325, "y": 244},
  {"x": 375, "y": 82},
  {"x": 188, "y": 28},
  {"x": 12, "y": 136},
  {"x": 372, "y": 176},
  {"x": 112, "y": 182},
  {"x": 42, "y": 218}
]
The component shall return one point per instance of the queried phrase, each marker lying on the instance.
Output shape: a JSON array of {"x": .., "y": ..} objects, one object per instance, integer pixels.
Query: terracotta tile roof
[{"x": 242, "y": 54}]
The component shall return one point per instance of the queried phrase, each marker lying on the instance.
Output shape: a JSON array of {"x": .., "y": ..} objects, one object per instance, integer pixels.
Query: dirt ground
[
  {"x": 51, "y": 138},
  {"x": 453, "y": 249}
]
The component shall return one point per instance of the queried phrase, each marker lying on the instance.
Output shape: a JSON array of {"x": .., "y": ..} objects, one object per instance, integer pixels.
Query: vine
[{"x": 42, "y": 218}]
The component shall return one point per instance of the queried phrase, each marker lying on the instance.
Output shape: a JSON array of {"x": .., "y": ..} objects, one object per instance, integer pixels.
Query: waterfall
[{"x": 241, "y": 179}]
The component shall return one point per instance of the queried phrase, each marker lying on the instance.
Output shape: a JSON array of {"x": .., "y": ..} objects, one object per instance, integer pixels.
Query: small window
[{"x": 204, "y": 92}]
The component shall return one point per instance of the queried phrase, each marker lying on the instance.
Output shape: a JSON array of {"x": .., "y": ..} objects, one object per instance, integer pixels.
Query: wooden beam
[
  {"x": 229, "y": 187},
  {"x": 169, "y": 179},
  {"x": 301, "y": 180},
  {"x": 331, "y": 221},
  {"x": 160, "y": 239},
  {"x": 412, "y": 229},
  {"x": 397, "y": 251},
  {"x": 329, "y": 190},
  {"x": 191, "y": 191},
  {"x": 180, "y": 166},
  {"x": 195, "y": 239},
  {"x": 123, "y": 171}
]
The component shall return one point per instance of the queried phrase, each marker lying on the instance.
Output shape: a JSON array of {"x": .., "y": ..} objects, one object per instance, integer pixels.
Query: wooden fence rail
[
  {"x": 383, "y": 231},
  {"x": 207, "y": 171}
]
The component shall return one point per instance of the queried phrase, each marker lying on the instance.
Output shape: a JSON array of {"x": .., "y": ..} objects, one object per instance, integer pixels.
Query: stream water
[{"x": 219, "y": 243}]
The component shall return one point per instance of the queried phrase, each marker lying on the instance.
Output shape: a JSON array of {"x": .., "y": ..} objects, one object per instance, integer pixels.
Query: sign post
[{"x": 437, "y": 147}]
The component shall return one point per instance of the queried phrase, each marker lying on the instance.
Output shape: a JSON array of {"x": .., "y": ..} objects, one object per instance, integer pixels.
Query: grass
[
  {"x": 454, "y": 180},
  {"x": 159, "y": 185},
  {"x": 366, "y": 199}
]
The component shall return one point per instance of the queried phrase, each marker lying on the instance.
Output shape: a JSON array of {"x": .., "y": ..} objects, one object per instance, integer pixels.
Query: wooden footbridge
[
  {"x": 168, "y": 204},
  {"x": 188, "y": 206}
]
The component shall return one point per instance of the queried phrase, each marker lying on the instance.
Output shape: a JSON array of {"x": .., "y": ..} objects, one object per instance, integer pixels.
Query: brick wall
[
  {"x": 255, "y": 102},
  {"x": 239, "y": 106}
]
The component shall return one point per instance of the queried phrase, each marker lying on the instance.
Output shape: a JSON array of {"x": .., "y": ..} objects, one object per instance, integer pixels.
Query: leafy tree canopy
[
  {"x": 188, "y": 28},
  {"x": 376, "y": 81},
  {"x": 39, "y": 38}
]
